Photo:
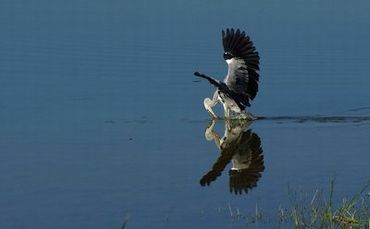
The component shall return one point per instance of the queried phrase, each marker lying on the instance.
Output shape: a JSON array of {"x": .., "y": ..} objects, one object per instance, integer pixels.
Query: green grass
[
  {"x": 318, "y": 210},
  {"x": 322, "y": 212}
]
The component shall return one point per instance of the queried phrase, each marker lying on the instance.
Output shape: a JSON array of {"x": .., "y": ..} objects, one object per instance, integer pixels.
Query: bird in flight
[{"x": 241, "y": 82}]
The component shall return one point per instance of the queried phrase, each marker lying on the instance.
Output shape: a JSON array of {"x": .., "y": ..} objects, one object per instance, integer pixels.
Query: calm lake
[{"x": 102, "y": 120}]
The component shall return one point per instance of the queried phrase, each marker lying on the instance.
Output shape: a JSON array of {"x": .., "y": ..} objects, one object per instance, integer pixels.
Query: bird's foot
[{"x": 243, "y": 115}]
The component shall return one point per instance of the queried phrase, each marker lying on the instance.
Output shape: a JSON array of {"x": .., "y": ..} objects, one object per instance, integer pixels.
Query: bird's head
[{"x": 228, "y": 56}]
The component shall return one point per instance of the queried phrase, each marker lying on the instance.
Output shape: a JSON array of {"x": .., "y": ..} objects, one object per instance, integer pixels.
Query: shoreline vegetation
[{"x": 318, "y": 211}]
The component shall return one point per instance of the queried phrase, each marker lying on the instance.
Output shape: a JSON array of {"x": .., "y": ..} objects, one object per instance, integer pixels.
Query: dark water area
[{"x": 101, "y": 117}]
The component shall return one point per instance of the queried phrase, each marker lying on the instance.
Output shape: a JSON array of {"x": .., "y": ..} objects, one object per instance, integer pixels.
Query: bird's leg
[
  {"x": 227, "y": 111},
  {"x": 208, "y": 104}
]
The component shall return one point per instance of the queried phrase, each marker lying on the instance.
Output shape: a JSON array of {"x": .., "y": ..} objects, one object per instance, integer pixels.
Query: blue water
[{"x": 101, "y": 119}]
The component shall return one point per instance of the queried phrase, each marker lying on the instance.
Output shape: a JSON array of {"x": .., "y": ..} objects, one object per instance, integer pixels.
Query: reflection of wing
[
  {"x": 247, "y": 164},
  {"x": 217, "y": 168},
  {"x": 242, "y": 77},
  {"x": 245, "y": 150}
]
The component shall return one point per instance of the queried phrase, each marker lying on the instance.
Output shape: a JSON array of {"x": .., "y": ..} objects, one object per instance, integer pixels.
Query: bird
[{"x": 240, "y": 85}]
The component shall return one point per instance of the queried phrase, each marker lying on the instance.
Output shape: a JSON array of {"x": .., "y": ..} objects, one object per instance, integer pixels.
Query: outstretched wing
[{"x": 242, "y": 77}]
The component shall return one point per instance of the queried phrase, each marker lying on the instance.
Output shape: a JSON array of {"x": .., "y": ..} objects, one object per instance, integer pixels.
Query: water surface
[{"x": 101, "y": 118}]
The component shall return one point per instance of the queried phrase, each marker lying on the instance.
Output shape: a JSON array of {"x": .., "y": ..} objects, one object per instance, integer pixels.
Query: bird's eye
[{"x": 227, "y": 55}]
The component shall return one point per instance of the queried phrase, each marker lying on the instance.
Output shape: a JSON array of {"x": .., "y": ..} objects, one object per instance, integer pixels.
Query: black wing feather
[{"x": 241, "y": 47}]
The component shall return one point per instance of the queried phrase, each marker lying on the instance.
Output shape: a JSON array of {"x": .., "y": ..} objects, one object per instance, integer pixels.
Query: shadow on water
[
  {"x": 319, "y": 119},
  {"x": 243, "y": 148}
]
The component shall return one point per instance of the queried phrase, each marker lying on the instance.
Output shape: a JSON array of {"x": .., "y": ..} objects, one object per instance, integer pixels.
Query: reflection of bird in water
[
  {"x": 241, "y": 83},
  {"x": 241, "y": 147}
]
